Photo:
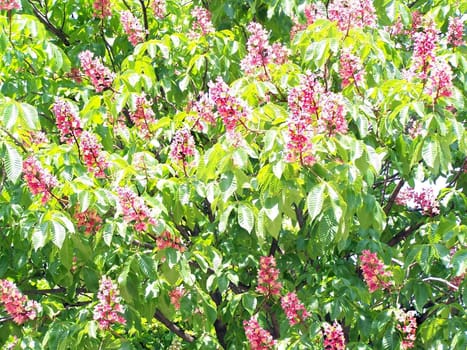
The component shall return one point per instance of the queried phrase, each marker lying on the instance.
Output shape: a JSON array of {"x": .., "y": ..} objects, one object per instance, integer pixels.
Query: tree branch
[
  {"x": 173, "y": 327},
  {"x": 393, "y": 197},
  {"x": 437, "y": 279},
  {"x": 57, "y": 31},
  {"x": 404, "y": 234}
]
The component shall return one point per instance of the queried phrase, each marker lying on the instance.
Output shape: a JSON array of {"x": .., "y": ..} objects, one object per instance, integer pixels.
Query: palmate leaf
[
  {"x": 13, "y": 163},
  {"x": 315, "y": 200}
]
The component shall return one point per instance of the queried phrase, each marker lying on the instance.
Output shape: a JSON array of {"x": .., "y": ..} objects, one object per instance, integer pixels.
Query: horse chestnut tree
[{"x": 233, "y": 174}]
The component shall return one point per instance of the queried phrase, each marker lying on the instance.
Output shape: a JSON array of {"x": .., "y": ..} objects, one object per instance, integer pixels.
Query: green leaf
[
  {"x": 431, "y": 153},
  {"x": 315, "y": 200},
  {"x": 249, "y": 302},
  {"x": 13, "y": 163},
  {"x": 246, "y": 218},
  {"x": 9, "y": 114},
  {"x": 29, "y": 116},
  {"x": 58, "y": 233},
  {"x": 459, "y": 262}
]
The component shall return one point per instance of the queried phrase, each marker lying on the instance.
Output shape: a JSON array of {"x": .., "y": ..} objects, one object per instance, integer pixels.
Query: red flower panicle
[
  {"x": 202, "y": 24},
  {"x": 423, "y": 200},
  {"x": 167, "y": 240},
  {"x": 408, "y": 327},
  {"x": 374, "y": 271},
  {"x": 89, "y": 221},
  {"x": 109, "y": 310},
  {"x": 439, "y": 83},
  {"x": 333, "y": 336},
  {"x": 10, "y": 5},
  {"x": 294, "y": 308},
  {"x": 267, "y": 277},
  {"x": 350, "y": 68},
  {"x": 159, "y": 8},
  {"x": 101, "y": 77},
  {"x": 17, "y": 305},
  {"x": 304, "y": 106},
  {"x": 332, "y": 117},
  {"x": 259, "y": 338},
  {"x": 351, "y": 13},
  {"x": 425, "y": 43},
  {"x": 101, "y": 8},
  {"x": 144, "y": 116},
  {"x": 182, "y": 146},
  {"x": 132, "y": 28},
  {"x": 203, "y": 108},
  {"x": 231, "y": 109},
  {"x": 134, "y": 209},
  {"x": 39, "y": 180},
  {"x": 92, "y": 154},
  {"x": 455, "y": 31},
  {"x": 67, "y": 120},
  {"x": 260, "y": 52},
  {"x": 175, "y": 295}
]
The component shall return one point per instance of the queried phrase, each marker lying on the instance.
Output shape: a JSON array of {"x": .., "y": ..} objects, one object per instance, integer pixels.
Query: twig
[
  {"x": 173, "y": 327},
  {"x": 437, "y": 279},
  {"x": 57, "y": 31},
  {"x": 393, "y": 197},
  {"x": 404, "y": 234}
]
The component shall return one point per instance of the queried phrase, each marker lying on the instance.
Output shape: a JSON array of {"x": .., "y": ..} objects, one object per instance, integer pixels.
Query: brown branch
[
  {"x": 57, "y": 31},
  {"x": 300, "y": 217},
  {"x": 145, "y": 18},
  {"x": 401, "y": 235},
  {"x": 393, "y": 197},
  {"x": 458, "y": 174},
  {"x": 173, "y": 327}
]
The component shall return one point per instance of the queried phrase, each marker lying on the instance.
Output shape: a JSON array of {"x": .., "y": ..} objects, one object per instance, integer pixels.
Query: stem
[
  {"x": 404, "y": 234},
  {"x": 441, "y": 280},
  {"x": 173, "y": 327},
  {"x": 145, "y": 18},
  {"x": 393, "y": 197},
  {"x": 56, "y": 31}
]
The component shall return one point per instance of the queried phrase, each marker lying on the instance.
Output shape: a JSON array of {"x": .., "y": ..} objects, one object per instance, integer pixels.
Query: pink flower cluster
[
  {"x": 182, "y": 146},
  {"x": 455, "y": 31},
  {"x": 439, "y": 83},
  {"x": 425, "y": 43},
  {"x": 423, "y": 200},
  {"x": 294, "y": 309},
  {"x": 10, "y": 5},
  {"x": 132, "y": 27},
  {"x": 350, "y": 68},
  {"x": 333, "y": 336},
  {"x": 101, "y": 8},
  {"x": 109, "y": 310},
  {"x": 260, "y": 52},
  {"x": 313, "y": 12},
  {"x": 88, "y": 220},
  {"x": 374, "y": 272},
  {"x": 408, "y": 327},
  {"x": 144, "y": 116},
  {"x": 202, "y": 24},
  {"x": 332, "y": 117},
  {"x": 101, "y": 76},
  {"x": 36, "y": 138},
  {"x": 18, "y": 306},
  {"x": 231, "y": 109},
  {"x": 93, "y": 157},
  {"x": 203, "y": 107},
  {"x": 134, "y": 209},
  {"x": 39, "y": 180},
  {"x": 175, "y": 295},
  {"x": 167, "y": 240},
  {"x": 259, "y": 338},
  {"x": 67, "y": 120},
  {"x": 268, "y": 275},
  {"x": 351, "y": 13},
  {"x": 159, "y": 8},
  {"x": 309, "y": 104}
]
